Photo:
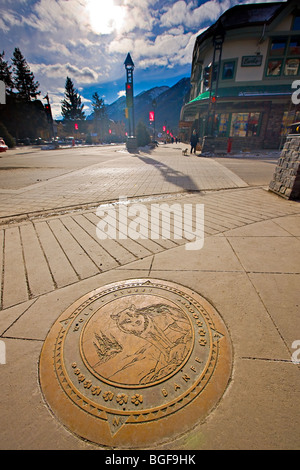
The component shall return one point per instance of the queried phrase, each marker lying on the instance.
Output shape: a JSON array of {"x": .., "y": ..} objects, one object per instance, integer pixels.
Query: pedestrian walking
[{"x": 194, "y": 141}]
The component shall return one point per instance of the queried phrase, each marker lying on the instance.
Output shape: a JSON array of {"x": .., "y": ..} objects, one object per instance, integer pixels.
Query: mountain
[
  {"x": 142, "y": 104},
  {"x": 169, "y": 101}
]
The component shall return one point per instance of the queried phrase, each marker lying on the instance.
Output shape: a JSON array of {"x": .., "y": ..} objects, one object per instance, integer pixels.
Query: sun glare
[{"x": 105, "y": 16}]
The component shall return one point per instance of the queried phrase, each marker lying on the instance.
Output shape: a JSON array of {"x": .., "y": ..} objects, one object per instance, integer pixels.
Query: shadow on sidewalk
[{"x": 170, "y": 175}]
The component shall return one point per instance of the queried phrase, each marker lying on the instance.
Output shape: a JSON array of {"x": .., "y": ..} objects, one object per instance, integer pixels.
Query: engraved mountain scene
[
  {"x": 106, "y": 347},
  {"x": 140, "y": 345}
]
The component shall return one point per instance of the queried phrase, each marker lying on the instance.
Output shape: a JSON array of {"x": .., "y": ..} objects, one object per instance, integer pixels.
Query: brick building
[{"x": 244, "y": 69}]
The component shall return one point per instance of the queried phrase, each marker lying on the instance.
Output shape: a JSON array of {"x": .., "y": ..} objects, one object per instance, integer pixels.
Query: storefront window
[
  {"x": 274, "y": 68},
  {"x": 244, "y": 124},
  {"x": 222, "y": 121},
  {"x": 291, "y": 67},
  {"x": 289, "y": 117}
]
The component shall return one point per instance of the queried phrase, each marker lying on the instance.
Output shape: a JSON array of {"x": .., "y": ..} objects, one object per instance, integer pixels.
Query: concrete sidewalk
[{"x": 248, "y": 270}]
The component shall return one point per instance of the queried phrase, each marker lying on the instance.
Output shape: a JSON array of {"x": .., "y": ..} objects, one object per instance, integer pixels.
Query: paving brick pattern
[
  {"x": 122, "y": 174},
  {"x": 248, "y": 269},
  {"x": 45, "y": 254}
]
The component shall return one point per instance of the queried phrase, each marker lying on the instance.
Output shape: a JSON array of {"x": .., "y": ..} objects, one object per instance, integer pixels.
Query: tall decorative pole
[
  {"x": 218, "y": 45},
  {"x": 131, "y": 139},
  {"x": 154, "y": 107},
  {"x": 48, "y": 110}
]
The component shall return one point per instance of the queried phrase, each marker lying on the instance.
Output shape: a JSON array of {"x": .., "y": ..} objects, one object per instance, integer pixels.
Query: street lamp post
[
  {"x": 131, "y": 139},
  {"x": 218, "y": 46},
  {"x": 154, "y": 107},
  {"x": 48, "y": 110}
]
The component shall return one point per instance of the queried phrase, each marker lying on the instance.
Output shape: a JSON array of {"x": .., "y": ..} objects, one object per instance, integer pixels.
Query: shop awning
[{"x": 246, "y": 92}]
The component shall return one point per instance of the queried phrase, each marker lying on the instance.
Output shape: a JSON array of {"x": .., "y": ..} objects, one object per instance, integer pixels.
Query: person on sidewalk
[{"x": 194, "y": 141}]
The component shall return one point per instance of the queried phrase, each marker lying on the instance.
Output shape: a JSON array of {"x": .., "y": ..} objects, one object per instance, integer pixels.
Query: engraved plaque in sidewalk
[{"x": 135, "y": 363}]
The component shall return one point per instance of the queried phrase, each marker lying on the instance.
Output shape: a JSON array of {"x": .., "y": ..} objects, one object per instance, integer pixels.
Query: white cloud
[
  {"x": 58, "y": 16},
  {"x": 175, "y": 14},
  {"x": 182, "y": 13},
  {"x": 53, "y": 46},
  {"x": 83, "y": 75},
  {"x": 9, "y": 19}
]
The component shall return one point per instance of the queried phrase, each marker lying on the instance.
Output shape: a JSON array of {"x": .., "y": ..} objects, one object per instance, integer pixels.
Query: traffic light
[
  {"x": 207, "y": 76},
  {"x": 76, "y": 126},
  {"x": 48, "y": 112}
]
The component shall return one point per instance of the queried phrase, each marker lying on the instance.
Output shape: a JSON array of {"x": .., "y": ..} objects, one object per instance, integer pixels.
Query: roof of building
[{"x": 243, "y": 15}]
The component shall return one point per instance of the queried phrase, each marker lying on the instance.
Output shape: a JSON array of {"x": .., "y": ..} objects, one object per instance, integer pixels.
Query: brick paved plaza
[{"x": 248, "y": 269}]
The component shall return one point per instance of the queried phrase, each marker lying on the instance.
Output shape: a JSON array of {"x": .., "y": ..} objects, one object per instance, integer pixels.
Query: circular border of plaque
[{"x": 135, "y": 363}]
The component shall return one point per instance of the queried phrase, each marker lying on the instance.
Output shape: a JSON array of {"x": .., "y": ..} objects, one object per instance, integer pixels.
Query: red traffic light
[{"x": 76, "y": 126}]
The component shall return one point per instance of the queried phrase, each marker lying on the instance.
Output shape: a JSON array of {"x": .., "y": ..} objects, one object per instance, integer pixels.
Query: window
[
  {"x": 289, "y": 117},
  {"x": 284, "y": 57},
  {"x": 294, "y": 46},
  {"x": 274, "y": 68},
  {"x": 222, "y": 124},
  {"x": 278, "y": 46},
  {"x": 296, "y": 24},
  {"x": 291, "y": 67},
  {"x": 244, "y": 124},
  {"x": 228, "y": 70}
]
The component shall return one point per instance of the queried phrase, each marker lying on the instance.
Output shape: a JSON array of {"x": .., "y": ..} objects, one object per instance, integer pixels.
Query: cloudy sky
[{"x": 88, "y": 40}]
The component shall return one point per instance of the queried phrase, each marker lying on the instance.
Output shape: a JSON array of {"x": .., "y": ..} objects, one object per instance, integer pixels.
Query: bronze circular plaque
[{"x": 135, "y": 363}]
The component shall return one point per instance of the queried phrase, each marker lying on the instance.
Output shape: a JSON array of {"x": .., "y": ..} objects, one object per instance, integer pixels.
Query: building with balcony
[{"x": 245, "y": 70}]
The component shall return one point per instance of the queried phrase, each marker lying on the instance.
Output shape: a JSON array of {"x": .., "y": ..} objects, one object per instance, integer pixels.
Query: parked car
[{"x": 3, "y": 146}]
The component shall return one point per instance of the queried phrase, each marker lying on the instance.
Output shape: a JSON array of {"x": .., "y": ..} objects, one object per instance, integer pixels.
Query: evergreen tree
[
  {"x": 71, "y": 108},
  {"x": 100, "y": 115},
  {"x": 98, "y": 106},
  {"x": 24, "y": 81},
  {"x": 5, "y": 73}
]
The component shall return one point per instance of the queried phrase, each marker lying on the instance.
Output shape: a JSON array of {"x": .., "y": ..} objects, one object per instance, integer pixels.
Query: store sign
[{"x": 252, "y": 60}]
